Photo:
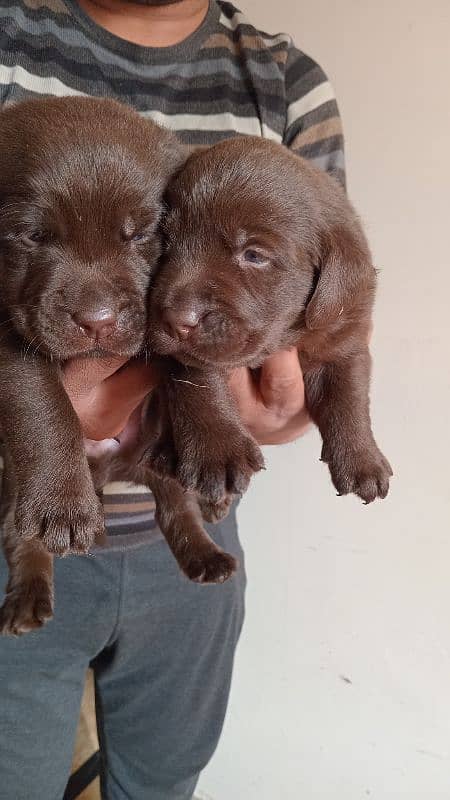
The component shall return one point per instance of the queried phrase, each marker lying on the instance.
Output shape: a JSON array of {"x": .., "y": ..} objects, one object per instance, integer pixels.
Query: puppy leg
[
  {"x": 179, "y": 517},
  {"x": 201, "y": 441},
  {"x": 56, "y": 502},
  {"x": 337, "y": 396},
  {"x": 29, "y": 594}
]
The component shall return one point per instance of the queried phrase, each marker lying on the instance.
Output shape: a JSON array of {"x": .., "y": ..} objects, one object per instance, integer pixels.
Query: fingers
[
  {"x": 131, "y": 384},
  {"x": 281, "y": 383}
]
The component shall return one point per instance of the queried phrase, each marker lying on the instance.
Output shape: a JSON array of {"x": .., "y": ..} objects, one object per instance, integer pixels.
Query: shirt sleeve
[{"x": 313, "y": 124}]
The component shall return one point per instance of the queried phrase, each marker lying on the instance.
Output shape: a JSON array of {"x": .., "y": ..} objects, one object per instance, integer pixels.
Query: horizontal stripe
[
  {"x": 119, "y": 487},
  {"x": 35, "y": 83},
  {"x": 327, "y": 111},
  {"x": 311, "y": 101},
  {"x": 128, "y": 498},
  {"x": 318, "y": 132},
  {"x": 299, "y": 69},
  {"x": 322, "y": 147},
  {"x": 174, "y": 91},
  {"x": 134, "y": 519},
  {"x": 213, "y": 122},
  {"x": 129, "y": 508}
]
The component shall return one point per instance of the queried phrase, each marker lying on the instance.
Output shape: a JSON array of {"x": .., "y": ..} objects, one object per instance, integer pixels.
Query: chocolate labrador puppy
[
  {"x": 81, "y": 187},
  {"x": 263, "y": 252}
]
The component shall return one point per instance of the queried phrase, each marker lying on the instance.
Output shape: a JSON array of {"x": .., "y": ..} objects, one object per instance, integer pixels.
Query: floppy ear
[{"x": 346, "y": 277}]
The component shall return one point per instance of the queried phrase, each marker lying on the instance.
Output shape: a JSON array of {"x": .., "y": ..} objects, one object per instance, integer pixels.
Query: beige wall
[{"x": 339, "y": 592}]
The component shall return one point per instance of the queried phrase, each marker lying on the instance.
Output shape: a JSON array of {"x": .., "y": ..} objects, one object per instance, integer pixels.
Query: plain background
[{"x": 342, "y": 683}]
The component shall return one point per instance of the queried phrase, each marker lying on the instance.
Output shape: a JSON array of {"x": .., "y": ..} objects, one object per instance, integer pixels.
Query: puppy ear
[{"x": 346, "y": 277}]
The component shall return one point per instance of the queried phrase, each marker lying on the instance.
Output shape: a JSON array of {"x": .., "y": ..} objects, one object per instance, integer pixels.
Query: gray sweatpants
[{"x": 162, "y": 651}]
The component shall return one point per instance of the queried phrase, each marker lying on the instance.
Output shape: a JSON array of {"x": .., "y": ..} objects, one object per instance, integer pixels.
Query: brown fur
[
  {"x": 81, "y": 188},
  {"x": 263, "y": 252},
  {"x": 82, "y": 177}
]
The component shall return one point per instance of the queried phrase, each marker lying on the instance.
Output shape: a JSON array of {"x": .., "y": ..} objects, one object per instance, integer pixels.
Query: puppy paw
[
  {"x": 221, "y": 467},
  {"x": 212, "y": 467},
  {"x": 65, "y": 521},
  {"x": 26, "y": 607},
  {"x": 364, "y": 473},
  {"x": 215, "y": 566},
  {"x": 215, "y": 512}
]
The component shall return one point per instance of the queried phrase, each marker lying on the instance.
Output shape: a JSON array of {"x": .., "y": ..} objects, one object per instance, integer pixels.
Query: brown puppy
[
  {"x": 81, "y": 186},
  {"x": 263, "y": 252}
]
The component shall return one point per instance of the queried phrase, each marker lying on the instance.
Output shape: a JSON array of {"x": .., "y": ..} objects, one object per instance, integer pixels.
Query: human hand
[
  {"x": 105, "y": 392},
  {"x": 272, "y": 402}
]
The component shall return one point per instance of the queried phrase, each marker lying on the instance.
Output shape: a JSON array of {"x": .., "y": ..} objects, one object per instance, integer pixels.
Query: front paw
[
  {"x": 27, "y": 606},
  {"x": 66, "y": 520},
  {"x": 365, "y": 473},
  {"x": 214, "y": 468}
]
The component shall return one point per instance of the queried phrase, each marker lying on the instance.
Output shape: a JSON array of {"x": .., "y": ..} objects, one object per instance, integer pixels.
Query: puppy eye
[
  {"x": 139, "y": 236},
  {"x": 40, "y": 236},
  {"x": 255, "y": 257},
  {"x": 136, "y": 236}
]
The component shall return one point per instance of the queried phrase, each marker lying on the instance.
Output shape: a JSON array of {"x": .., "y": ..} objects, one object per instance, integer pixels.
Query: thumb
[{"x": 281, "y": 381}]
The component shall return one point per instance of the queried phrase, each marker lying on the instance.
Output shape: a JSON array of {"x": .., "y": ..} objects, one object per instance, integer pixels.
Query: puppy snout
[
  {"x": 97, "y": 323},
  {"x": 180, "y": 323}
]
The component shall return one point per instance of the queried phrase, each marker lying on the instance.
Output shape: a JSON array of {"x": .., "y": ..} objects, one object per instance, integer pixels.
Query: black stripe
[
  {"x": 328, "y": 110},
  {"x": 133, "y": 527},
  {"x": 322, "y": 147},
  {"x": 125, "y": 498},
  {"x": 300, "y": 67}
]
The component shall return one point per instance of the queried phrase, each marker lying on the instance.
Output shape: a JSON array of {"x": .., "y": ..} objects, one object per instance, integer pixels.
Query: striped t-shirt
[{"x": 226, "y": 78}]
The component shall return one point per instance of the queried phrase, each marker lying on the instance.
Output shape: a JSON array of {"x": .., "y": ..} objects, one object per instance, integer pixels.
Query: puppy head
[
  {"x": 81, "y": 186},
  {"x": 253, "y": 242}
]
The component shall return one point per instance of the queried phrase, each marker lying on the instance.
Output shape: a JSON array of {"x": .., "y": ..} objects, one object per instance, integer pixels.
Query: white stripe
[
  {"x": 309, "y": 102},
  {"x": 251, "y": 126},
  {"x": 118, "y": 487},
  {"x": 241, "y": 19},
  {"x": 33, "y": 83},
  {"x": 268, "y": 133}
]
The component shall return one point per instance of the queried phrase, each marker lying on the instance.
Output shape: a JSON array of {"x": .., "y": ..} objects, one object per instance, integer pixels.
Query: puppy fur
[
  {"x": 263, "y": 251},
  {"x": 81, "y": 196}
]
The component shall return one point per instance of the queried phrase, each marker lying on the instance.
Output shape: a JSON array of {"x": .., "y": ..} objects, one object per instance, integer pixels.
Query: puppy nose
[
  {"x": 96, "y": 323},
  {"x": 180, "y": 323}
]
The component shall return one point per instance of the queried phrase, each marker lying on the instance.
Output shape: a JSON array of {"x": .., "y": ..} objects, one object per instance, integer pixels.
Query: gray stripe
[
  {"x": 330, "y": 161},
  {"x": 114, "y": 521}
]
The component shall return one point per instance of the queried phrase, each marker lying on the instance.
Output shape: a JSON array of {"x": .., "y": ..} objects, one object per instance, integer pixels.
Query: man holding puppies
[{"x": 161, "y": 648}]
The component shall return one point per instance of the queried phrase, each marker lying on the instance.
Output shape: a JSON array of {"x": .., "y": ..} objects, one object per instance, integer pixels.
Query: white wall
[{"x": 339, "y": 592}]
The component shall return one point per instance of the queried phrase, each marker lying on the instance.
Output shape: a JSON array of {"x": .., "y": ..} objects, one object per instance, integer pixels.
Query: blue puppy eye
[
  {"x": 255, "y": 257},
  {"x": 138, "y": 236}
]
